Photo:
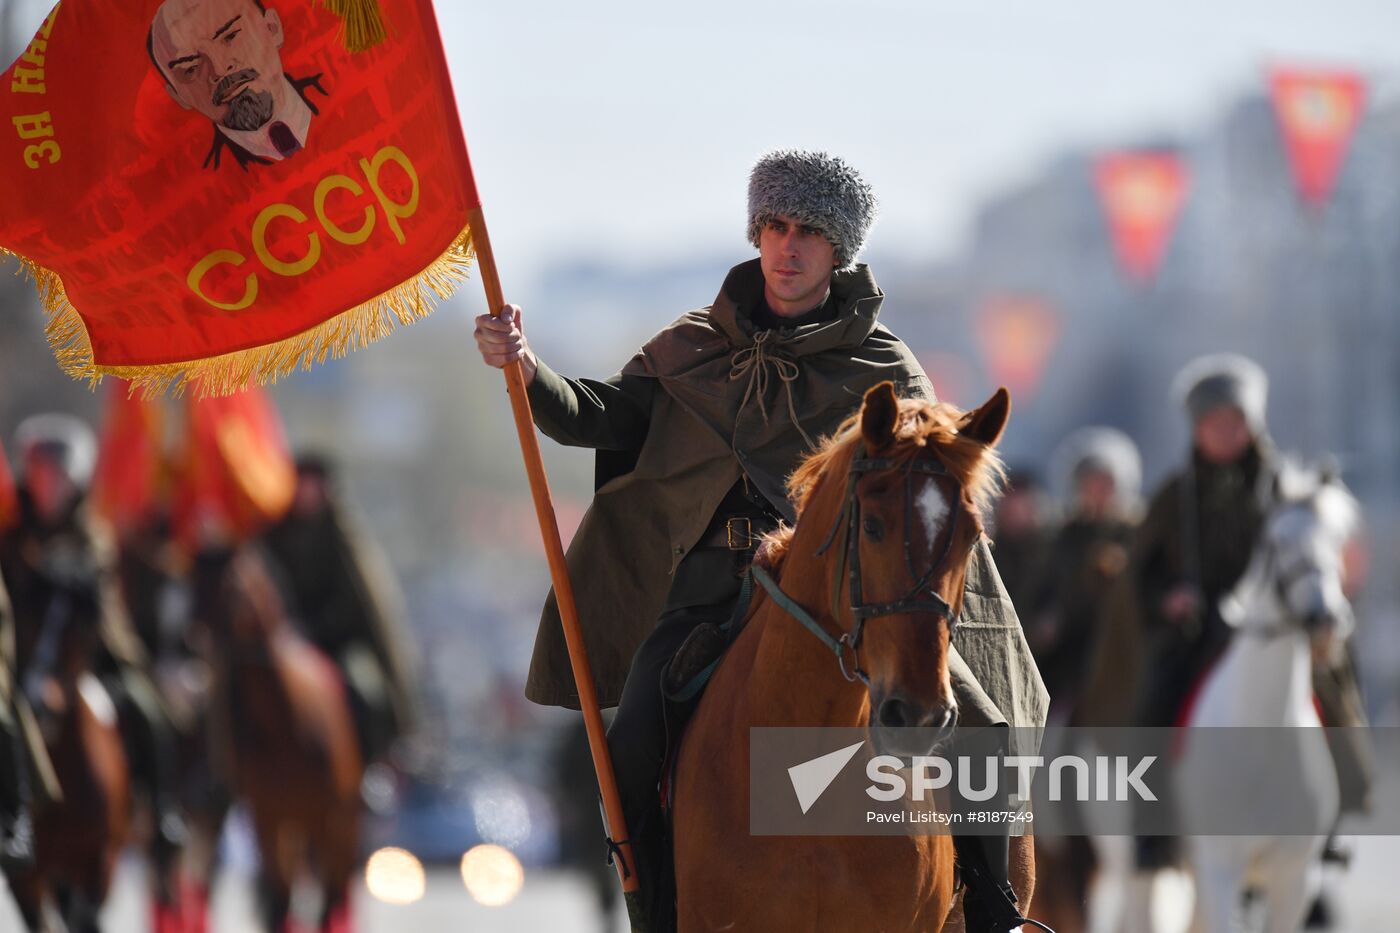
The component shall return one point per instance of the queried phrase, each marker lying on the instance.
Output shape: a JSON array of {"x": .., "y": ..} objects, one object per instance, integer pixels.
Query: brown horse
[
  {"x": 295, "y": 760},
  {"x": 891, "y": 462},
  {"x": 77, "y": 838}
]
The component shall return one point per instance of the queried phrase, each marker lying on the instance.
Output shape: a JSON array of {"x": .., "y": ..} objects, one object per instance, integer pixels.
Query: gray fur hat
[
  {"x": 64, "y": 439},
  {"x": 1100, "y": 450},
  {"x": 1209, "y": 382},
  {"x": 816, "y": 189}
]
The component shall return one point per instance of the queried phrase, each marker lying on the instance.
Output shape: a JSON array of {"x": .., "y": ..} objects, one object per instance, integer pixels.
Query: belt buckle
[{"x": 729, "y": 534}]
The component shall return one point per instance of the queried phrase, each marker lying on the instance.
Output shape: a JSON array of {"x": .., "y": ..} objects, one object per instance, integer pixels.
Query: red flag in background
[
  {"x": 236, "y": 474},
  {"x": 129, "y": 485},
  {"x": 219, "y": 191},
  {"x": 1318, "y": 112},
  {"x": 1017, "y": 336},
  {"x": 950, "y": 374},
  {"x": 1142, "y": 194},
  {"x": 9, "y": 498}
]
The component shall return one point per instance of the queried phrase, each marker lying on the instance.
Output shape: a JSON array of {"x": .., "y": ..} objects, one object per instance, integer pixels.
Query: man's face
[
  {"x": 310, "y": 499},
  {"x": 49, "y": 486},
  {"x": 1094, "y": 491},
  {"x": 220, "y": 57},
  {"x": 1222, "y": 435},
  {"x": 797, "y": 263}
]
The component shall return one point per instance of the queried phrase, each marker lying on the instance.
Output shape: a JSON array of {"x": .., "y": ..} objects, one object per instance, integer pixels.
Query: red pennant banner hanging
[
  {"x": 953, "y": 379},
  {"x": 1318, "y": 112},
  {"x": 236, "y": 473},
  {"x": 1017, "y": 335},
  {"x": 1142, "y": 195},
  {"x": 128, "y": 486}
]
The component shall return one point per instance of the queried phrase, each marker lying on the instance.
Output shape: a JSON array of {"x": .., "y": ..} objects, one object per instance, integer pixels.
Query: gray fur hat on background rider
[
  {"x": 1209, "y": 382},
  {"x": 1102, "y": 450},
  {"x": 64, "y": 440}
]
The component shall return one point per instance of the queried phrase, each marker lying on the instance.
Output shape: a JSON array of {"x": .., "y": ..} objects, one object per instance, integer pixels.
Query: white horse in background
[{"x": 1288, "y": 607}]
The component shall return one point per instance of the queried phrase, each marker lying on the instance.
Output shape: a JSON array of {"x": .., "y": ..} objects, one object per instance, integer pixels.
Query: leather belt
[{"x": 737, "y": 533}]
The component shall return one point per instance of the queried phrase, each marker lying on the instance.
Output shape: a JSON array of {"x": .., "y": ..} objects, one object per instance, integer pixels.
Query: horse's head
[
  {"x": 237, "y": 596},
  {"x": 893, "y": 505},
  {"x": 1299, "y": 566}
]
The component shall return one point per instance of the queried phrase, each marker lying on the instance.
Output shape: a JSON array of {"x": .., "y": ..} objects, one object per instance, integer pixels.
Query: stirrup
[{"x": 998, "y": 910}]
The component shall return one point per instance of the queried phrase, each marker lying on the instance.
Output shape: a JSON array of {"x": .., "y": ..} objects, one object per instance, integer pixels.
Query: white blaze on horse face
[{"x": 933, "y": 509}]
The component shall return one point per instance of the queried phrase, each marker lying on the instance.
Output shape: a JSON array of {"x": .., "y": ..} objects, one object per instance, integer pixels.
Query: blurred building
[
  {"x": 427, "y": 440},
  {"x": 1311, "y": 294}
]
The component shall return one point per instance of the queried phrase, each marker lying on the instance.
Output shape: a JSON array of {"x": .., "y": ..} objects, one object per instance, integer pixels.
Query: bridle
[
  {"x": 1282, "y": 577},
  {"x": 920, "y": 598}
]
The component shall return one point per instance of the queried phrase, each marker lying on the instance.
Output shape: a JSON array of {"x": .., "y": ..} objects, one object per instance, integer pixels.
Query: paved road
[
  {"x": 558, "y": 903},
  {"x": 549, "y": 902}
]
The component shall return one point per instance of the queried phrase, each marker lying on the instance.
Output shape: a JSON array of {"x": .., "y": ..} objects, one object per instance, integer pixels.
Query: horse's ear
[
  {"x": 984, "y": 425},
  {"x": 879, "y": 416},
  {"x": 1329, "y": 470}
]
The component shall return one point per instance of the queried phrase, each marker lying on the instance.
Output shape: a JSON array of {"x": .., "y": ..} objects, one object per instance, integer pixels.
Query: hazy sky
[
  {"x": 629, "y": 127},
  {"x": 625, "y": 129}
]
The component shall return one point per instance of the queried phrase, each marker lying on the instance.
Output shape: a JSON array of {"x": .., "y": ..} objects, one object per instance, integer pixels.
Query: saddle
[
  {"x": 689, "y": 671},
  {"x": 695, "y": 661}
]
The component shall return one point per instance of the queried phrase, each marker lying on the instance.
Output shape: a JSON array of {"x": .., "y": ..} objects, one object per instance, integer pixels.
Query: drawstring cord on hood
[{"x": 753, "y": 361}]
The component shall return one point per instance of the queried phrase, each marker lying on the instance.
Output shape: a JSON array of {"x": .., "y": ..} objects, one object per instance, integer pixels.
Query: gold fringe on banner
[
  {"x": 224, "y": 375},
  {"x": 362, "y": 22}
]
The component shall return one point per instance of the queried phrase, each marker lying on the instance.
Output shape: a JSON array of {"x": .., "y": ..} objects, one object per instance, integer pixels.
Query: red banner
[
  {"x": 1142, "y": 195},
  {"x": 1017, "y": 336},
  {"x": 235, "y": 473},
  {"x": 218, "y": 191},
  {"x": 953, "y": 379},
  {"x": 129, "y": 483},
  {"x": 9, "y": 500},
  {"x": 1318, "y": 112}
]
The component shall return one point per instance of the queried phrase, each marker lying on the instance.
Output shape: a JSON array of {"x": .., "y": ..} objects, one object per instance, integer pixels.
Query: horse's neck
[
  {"x": 795, "y": 679},
  {"x": 1265, "y": 676}
]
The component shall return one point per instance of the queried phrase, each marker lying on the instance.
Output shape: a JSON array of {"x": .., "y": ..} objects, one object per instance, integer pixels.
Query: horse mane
[{"x": 922, "y": 423}]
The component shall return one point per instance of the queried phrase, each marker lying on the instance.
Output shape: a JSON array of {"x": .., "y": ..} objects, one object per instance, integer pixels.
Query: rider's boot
[
  {"x": 989, "y": 901},
  {"x": 16, "y": 822},
  {"x": 16, "y": 842}
]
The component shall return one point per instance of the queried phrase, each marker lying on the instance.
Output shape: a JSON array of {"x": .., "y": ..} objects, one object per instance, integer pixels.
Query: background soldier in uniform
[
  {"x": 1195, "y": 544},
  {"x": 1085, "y": 557},
  {"x": 56, "y": 544},
  {"x": 347, "y": 602}
]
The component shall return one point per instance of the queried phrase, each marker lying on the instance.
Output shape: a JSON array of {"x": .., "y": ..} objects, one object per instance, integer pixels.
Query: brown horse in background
[
  {"x": 891, "y": 460},
  {"x": 293, "y": 755},
  {"x": 79, "y": 837}
]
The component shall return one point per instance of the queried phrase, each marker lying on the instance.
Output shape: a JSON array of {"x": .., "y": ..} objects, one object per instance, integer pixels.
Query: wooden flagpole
[{"x": 558, "y": 571}]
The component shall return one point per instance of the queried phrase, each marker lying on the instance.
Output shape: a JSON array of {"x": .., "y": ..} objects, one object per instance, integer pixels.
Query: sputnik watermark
[
  {"x": 1090, "y": 778},
  {"x": 1115, "y": 775},
  {"x": 1274, "y": 781}
]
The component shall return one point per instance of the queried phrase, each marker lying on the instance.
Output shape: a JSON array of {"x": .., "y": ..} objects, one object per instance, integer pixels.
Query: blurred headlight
[
  {"x": 492, "y": 874},
  {"x": 395, "y": 876}
]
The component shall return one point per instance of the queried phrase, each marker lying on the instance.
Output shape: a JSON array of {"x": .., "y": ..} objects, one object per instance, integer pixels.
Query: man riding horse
[
  {"x": 26, "y": 772},
  {"x": 694, "y": 438},
  {"x": 347, "y": 602},
  {"x": 54, "y": 534},
  {"x": 1194, "y": 546}
]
